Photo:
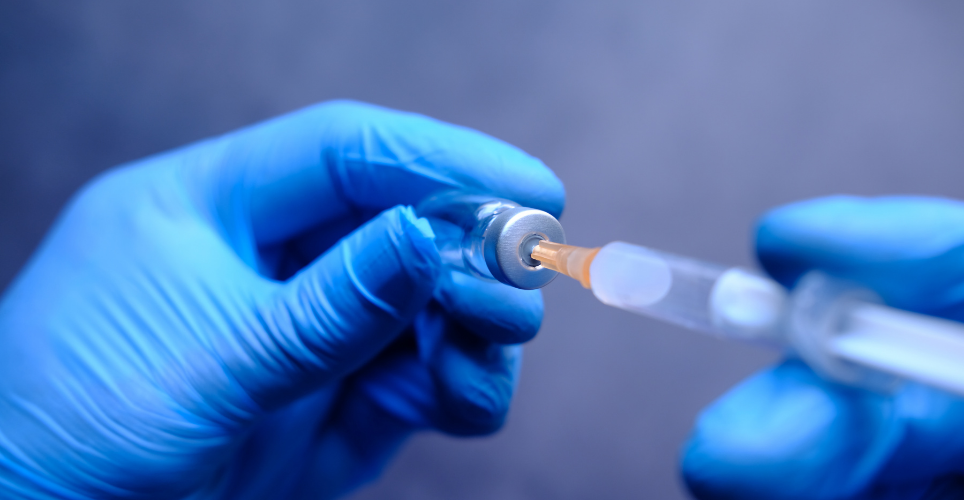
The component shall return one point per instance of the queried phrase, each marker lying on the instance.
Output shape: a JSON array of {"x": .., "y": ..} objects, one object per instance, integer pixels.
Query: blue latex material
[
  {"x": 260, "y": 315},
  {"x": 788, "y": 434}
]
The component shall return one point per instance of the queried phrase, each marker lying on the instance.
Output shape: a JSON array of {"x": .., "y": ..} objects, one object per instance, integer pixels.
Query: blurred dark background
[{"x": 673, "y": 124}]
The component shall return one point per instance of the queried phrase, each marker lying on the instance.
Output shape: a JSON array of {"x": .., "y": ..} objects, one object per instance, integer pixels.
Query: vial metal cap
[{"x": 508, "y": 242}]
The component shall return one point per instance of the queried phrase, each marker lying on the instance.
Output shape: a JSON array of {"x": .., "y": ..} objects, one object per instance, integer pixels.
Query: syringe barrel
[
  {"x": 839, "y": 328},
  {"x": 727, "y": 302},
  {"x": 491, "y": 238}
]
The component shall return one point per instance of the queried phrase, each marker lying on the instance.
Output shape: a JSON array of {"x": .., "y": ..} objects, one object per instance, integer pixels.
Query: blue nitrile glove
[
  {"x": 788, "y": 434},
  {"x": 260, "y": 315}
]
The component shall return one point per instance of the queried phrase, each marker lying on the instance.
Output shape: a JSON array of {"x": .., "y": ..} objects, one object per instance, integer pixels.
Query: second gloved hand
[
  {"x": 787, "y": 433},
  {"x": 260, "y": 315}
]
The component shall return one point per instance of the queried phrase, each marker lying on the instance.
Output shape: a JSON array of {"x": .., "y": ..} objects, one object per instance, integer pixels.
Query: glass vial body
[{"x": 491, "y": 238}]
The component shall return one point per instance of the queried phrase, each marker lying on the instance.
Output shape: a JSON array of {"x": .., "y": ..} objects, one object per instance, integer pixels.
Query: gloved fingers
[
  {"x": 491, "y": 310},
  {"x": 331, "y": 441},
  {"x": 378, "y": 409},
  {"x": 340, "y": 311},
  {"x": 277, "y": 179},
  {"x": 271, "y": 460},
  {"x": 475, "y": 378},
  {"x": 786, "y": 433},
  {"x": 908, "y": 249},
  {"x": 399, "y": 393},
  {"x": 443, "y": 377}
]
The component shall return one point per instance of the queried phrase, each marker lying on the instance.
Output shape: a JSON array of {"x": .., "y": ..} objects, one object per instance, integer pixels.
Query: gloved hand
[
  {"x": 260, "y": 315},
  {"x": 786, "y": 433}
]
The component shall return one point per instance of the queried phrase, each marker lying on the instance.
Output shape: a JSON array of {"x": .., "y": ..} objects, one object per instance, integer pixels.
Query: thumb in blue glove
[{"x": 788, "y": 434}]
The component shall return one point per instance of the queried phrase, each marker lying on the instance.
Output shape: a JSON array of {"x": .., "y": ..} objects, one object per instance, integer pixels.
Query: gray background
[{"x": 673, "y": 124}]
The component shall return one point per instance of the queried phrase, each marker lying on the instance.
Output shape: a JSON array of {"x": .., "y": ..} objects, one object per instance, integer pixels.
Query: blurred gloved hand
[
  {"x": 788, "y": 434},
  {"x": 260, "y": 315}
]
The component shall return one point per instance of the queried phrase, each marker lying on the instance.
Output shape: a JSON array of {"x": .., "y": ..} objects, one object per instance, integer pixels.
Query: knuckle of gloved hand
[
  {"x": 477, "y": 387},
  {"x": 481, "y": 406},
  {"x": 124, "y": 198},
  {"x": 701, "y": 485},
  {"x": 506, "y": 327},
  {"x": 518, "y": 328},
  {"x": 104, "y": 195},
  {"x": 493, "y": 311}
]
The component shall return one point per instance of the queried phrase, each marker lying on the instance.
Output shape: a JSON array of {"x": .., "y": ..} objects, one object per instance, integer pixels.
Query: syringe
[{"x": 840, "y": 329}]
